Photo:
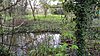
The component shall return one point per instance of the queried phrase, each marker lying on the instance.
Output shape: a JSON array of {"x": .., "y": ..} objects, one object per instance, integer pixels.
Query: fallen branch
[{"x": 14, "y": 27}]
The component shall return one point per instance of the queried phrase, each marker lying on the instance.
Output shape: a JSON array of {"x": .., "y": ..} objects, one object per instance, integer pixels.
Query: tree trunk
[
  {"x": 45, "y": 12},
  {"x": 80, "y": 20},
  {"x": 33, "y": 10}
]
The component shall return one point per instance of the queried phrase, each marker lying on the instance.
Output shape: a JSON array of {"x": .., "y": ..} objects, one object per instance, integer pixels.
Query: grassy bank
[{"x": 48, "y": 17}]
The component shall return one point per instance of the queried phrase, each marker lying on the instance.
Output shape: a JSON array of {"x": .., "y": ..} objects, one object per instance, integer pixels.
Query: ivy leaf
[
  {"x": 64, "y": 46},
  {"x": 59, "y": 54},
  {"x": 74, "y": 47}
]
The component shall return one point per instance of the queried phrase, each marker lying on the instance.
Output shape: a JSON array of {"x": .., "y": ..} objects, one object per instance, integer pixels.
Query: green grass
[
  {"x": 56, "y": 18},
  {"x": 51, "y": 22},
  {"x": 47, "y": 18}
]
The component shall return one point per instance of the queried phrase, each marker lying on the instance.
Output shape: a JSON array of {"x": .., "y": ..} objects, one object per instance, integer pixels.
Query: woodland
[{"x": 49, "y": 27}]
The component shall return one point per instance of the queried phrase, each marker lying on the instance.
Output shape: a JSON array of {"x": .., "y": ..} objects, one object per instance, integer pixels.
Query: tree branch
[{"x": 10, "y": 6}]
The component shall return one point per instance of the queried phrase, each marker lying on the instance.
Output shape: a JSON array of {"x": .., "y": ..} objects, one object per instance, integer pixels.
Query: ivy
[{"x": 84, "y": 11}]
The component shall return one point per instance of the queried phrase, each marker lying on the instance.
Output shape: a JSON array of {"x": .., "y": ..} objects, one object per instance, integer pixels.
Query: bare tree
[
  {"x": 23, "y": 6},
  {"x": 46, "y": 6},
  {"x": 33, "y": 8},
  {"x": 4, "y": 9}
]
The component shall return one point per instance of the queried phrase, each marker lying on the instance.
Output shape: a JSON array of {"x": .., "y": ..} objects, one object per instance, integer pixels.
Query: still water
[{"x": 31, "y": 40}]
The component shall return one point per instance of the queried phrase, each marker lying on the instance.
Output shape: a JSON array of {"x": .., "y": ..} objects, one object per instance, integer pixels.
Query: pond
[{"x": 22, "y": 42}]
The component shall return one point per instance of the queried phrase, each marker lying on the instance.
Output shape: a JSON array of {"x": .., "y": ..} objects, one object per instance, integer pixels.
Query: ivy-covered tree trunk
[
  {"x": 80, "y": 26},
  {"x": 84, "y": 11},
  {"x": 1, "y": 23}
]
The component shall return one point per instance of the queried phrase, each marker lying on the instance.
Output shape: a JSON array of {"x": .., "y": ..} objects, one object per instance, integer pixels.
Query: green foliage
[
  {"x": 47, "y": 18},
  {"x": 68, "y": 35},
  {"x": 63, "y": 47},
  {"x": 74, "y": 47},
  {"x": 43, "y": 50},
  {"x": 68, "y": 6},
  {"x": 84, "y": 11},
  {"x": 59, "y": 54},
  {"x": 4, "y": 51}
]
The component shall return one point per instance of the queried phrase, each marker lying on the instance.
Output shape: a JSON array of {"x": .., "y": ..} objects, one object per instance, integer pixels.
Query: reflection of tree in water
[
  {"x": 27, "y": 42},
  {"x": 23, "y": 43}
]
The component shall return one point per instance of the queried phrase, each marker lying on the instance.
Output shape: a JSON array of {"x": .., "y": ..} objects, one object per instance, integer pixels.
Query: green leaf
[
  {"x": 74, "y": 47},
  {"x": 59, "y": 54},
  {"x": 64, "y": 46}
]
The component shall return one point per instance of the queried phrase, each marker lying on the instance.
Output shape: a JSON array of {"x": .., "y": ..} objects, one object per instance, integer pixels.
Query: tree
[
  {"x": 23, "y": 5},
  {"x": 84, "y": 11},
  {"x": 46, "y": 6},
  {"x": 33, "y": 7}
]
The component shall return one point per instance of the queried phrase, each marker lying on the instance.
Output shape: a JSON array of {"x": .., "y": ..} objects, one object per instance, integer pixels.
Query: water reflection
[{"x": 30, "y": 41}]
